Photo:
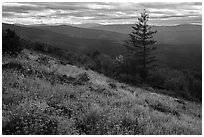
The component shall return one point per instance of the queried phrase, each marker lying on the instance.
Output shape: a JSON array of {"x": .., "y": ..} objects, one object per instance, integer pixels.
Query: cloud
[
  {"x": 99, "y": 12},
  {"x": 20, "y": 7},
  {"x": 7, "y": 14},
  {"x": 99, "y": 6}
]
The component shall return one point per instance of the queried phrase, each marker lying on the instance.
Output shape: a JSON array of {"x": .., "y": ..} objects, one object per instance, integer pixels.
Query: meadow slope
[{"x": 41, "y": 95}]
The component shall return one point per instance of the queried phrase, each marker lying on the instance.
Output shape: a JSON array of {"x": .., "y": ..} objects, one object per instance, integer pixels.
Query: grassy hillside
[{"x": 42, "y": 96}]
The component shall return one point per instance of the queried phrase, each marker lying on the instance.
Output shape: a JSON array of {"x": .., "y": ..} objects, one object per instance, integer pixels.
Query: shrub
[
  {"x": 60, "y": 109},
  {"x": 128, "y": 78},
  {"x": 82, "y": 79},
  {"x": 159, "y": 107},
  {"x": 195, "y": 88},
  {"x": 62, "y": 62},
  {"x": 11, "y": 43},
  {"x": 130, "y": 125},
  {"x": 39, "y": 47},
  {"x": 105, "y": 64},
  {"x": 30, "y": 124},
  {"x": 170, "y": 79},
  {"x": 90, "y": 123},
  {"x": 112, "y": 85},
  {"x": 13, "y": 65},
  {"x": 101, "y": 123},
  {"x": 157, "y": 80},
  {"x": 176, "y": 80},
  {"x": 43, "y": 60}
]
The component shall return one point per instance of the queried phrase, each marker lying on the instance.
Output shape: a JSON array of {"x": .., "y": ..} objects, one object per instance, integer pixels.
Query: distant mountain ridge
[
  {"x": 179, "y": 34},
  {"x": 59, "y": 39},
  {"x": 86, "y": 25},
  {"x": 176, "y": 44},
  {"x": 126, "y": 28},
  {"x": 74, "y": 31}
]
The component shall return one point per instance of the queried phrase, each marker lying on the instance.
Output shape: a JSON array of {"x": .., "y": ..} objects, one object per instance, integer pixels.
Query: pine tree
[{"x": 141, "y": 44}]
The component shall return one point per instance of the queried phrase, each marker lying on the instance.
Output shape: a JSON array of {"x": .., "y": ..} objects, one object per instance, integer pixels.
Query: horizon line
[{"x": 101, "y": 24}]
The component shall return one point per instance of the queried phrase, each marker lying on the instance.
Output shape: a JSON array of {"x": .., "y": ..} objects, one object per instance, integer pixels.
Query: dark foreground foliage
[
  {"x": 32, "y": 124},
  {"x": 11, "y": 43}
]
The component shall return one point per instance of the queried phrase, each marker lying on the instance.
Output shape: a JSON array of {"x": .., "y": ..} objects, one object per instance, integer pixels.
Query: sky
[{"x": 105, "y": 13}]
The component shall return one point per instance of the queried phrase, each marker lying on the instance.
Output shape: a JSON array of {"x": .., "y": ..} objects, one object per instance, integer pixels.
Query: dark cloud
[{"x": 6, "y": 14}]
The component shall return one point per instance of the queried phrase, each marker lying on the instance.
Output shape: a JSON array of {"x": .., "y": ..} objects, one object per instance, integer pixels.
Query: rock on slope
[{"x": 42, "y": 96}]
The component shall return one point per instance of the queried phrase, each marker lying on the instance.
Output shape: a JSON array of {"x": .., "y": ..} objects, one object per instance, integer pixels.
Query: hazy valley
[{"x": 175, "y": 43}]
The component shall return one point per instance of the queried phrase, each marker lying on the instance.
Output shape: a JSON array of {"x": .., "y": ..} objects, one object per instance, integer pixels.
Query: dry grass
[{"x": 98, "y": 106}]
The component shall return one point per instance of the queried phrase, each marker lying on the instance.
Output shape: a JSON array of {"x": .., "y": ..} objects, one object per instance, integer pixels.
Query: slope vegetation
[{"x": 42, "y": 96}]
